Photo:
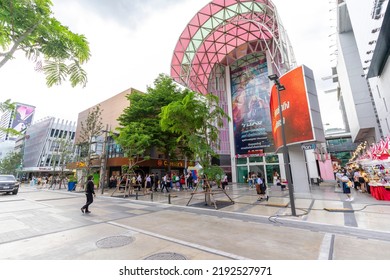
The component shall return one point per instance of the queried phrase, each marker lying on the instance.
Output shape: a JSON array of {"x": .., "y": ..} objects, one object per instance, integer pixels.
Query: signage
[
  {"x": 295, "y": 108},
  {"x": 311, "y": 146}
]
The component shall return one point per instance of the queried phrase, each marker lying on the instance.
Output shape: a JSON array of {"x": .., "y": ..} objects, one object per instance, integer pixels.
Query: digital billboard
[
  {"x": 296, "y": 110},
  {"x": 250, "y": 106}
]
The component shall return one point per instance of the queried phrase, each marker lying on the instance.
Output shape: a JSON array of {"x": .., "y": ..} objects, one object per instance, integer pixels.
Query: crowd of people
[
  {"x": 48, "y": 181},
  {"x": 352, "y": 178},
  {"x": 152, "y": 182}
]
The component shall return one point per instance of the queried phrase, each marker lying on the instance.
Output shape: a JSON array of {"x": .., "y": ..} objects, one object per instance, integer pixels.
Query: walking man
[{"x": 90, "y": 193}]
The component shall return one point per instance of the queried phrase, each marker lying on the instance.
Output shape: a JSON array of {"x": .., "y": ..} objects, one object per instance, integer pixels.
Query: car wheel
[{"x": 15, "y": 192}]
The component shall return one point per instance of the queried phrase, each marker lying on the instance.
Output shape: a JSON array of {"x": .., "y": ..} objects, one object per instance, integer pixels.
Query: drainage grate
[
  {"x": 114, "y": 241},
  {"x": 166, "y": 256}
]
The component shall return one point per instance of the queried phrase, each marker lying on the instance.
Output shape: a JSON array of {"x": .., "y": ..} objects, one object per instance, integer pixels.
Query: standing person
[
  {"x": 190, "y": 180},
  {"x": 165, "y": 183},
  {"x": 90, "y": 193},
  {"x": 264, "y": 187},
  {"x": 250, "y": 180},
  {"x": 276, "y": 178},
  {"x": 225, "y": 181},
  {"x": 356, "y": 181},
  {"x": 156, "y": 182},
  {"x": 347, "y": 185},
  {"x": 259, "y": 191}
]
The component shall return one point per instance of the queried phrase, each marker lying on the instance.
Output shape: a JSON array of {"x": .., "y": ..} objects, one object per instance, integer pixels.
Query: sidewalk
[
  {"x": 325, "y": 204},
  {"x": 325, "y": 227}
]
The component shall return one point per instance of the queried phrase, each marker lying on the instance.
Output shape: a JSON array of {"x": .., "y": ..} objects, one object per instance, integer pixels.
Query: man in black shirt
[{"x": 90, "y": 193}]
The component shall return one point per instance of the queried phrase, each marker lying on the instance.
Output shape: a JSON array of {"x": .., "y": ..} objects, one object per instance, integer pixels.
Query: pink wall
[{"x": 326, "y": 170}]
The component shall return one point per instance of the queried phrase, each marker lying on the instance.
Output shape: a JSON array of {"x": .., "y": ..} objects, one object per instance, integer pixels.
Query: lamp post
[{"x": 279, "y": 88}]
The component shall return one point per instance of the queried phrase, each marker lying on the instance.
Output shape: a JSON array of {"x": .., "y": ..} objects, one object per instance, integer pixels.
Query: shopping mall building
[{"x": 229, "y": 49}]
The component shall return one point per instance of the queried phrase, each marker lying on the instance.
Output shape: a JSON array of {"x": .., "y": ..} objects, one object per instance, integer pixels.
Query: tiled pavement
[{"x": 48, "y": 224}]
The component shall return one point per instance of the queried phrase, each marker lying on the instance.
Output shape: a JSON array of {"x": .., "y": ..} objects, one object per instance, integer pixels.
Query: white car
[{"x": 9, "y": 184}]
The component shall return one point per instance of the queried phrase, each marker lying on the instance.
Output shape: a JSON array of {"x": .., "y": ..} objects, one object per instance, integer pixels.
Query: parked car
[{"x": 9, "y": 184}]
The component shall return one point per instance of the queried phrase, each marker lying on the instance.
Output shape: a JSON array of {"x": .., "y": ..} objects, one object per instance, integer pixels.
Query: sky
[{"x": 132, "y": 42}]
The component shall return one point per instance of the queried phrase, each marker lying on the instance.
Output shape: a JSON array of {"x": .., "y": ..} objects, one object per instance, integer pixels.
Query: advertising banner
[
  {"x": 23, "y": 117},
  {"x": 296, "y": 113},
  {"x": 250, "y": 103}
]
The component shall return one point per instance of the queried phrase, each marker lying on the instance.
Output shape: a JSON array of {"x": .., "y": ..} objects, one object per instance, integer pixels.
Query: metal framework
[{"x": 225, "y": 31}]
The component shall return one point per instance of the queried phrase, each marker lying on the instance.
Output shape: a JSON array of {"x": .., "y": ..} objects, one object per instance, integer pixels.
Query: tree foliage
[
  {"x": 89, "y": 130},
  {"x": 29, "y": 26},
  {"x": 10, "y": 163},
  {"x": 197, "y": 119},
  {"x": 143, "y": 117},
  {"x": 64, "y": 154},
  {"x": 134, "y": 143}
]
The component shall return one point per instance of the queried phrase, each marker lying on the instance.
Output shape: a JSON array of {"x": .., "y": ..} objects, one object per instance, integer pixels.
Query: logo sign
[{"x": 311, "y": 146}]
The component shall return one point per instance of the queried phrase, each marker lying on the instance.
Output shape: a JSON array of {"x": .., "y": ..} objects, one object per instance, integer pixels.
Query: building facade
[
  {"x": 229, "y": 49},
  {"x": 44, "y": 146},
  {"x": 363, "y": 42}
]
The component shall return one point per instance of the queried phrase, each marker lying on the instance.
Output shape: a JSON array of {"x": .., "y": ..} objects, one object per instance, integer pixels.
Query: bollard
[
  {"x": 169, "y": 198},
  {"x": 151, "y": 196},
  {"x": 136, "y": 195}
]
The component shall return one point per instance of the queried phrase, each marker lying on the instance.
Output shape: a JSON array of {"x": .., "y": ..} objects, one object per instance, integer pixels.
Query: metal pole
[
  {"x": 103, "y": 162},
  {"x": 285, "y": 156}
]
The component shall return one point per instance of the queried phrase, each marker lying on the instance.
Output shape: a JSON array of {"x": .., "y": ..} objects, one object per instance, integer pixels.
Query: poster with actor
[{"x": 250, "y": 104}]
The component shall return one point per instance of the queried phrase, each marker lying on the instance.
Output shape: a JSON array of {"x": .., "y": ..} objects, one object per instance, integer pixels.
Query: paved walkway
[
  {"x": 325, "y": 204},
  {"x": 47, "y": 224}
]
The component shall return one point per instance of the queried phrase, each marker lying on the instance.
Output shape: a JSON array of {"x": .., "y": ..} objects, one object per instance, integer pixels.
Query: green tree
[
  {"x": 144, "y": 114},
  {"x": 89, "y": 131},
  {"x": 197, "y": 119},
  {"x": 10, "y": 163},
  {"x": 64, "y": 154},
  {"x": 29, "y": 26},
  {"x": 134, "y": 144}
]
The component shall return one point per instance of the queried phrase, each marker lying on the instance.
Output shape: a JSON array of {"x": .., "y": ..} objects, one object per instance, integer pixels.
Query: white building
[
  {"x": 363, "y": 36},
  {"x": 44, "y": 144}
]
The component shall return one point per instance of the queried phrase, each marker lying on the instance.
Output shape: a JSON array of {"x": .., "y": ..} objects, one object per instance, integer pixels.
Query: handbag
[{"x": 349, "y": 184}]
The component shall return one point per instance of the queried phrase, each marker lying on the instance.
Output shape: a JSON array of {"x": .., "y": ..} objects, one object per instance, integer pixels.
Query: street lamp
[{"x": 279, "y": 87}]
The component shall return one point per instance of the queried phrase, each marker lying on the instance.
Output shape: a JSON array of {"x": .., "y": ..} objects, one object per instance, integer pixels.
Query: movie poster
[{"x": 251, "y": 115}]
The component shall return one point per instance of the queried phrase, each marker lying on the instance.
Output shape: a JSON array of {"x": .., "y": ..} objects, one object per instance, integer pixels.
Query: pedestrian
[
  {"x": 156, "y": 182},
  {"x": 90, "y": 193},
  {"x": 165, "y": 183},
  {"x": 190, "y": 180},
  {"x": 259, "y": 188},
  {"x": 225, "y": 181},
  {"x": 347, "y": 185}
]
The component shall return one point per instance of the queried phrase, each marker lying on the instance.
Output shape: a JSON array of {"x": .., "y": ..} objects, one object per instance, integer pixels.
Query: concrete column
[{"x": 298, "y": 169}]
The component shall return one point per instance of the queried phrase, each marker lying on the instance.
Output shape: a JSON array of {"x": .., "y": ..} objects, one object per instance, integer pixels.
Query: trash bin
[{"x": 71, "y": 186}]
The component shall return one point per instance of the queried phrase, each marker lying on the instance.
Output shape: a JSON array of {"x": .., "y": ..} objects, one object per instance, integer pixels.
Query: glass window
[
  {"x": 242, "y": 174},
  {"x": 272, "y": 159},
  {"x": 256, "y": 159},
  {"x": 241, "y": 161}
]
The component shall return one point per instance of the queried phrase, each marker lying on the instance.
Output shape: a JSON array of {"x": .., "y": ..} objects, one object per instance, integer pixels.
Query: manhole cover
[
  {"x": 166, "y": 256},
  {"x": 114, "y": 241}
]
